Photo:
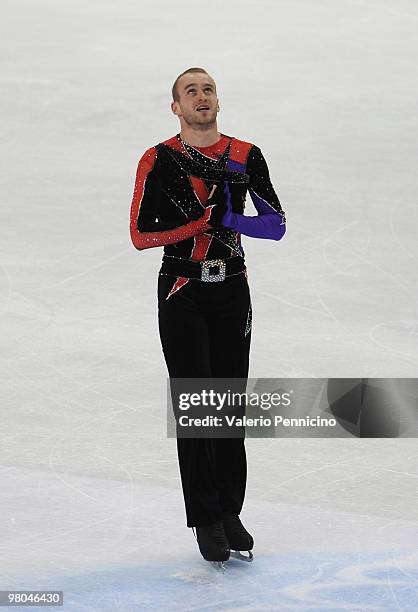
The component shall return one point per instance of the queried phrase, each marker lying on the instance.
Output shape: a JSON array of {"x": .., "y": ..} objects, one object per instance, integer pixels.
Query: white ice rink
[{"x": 90, "y": 501}]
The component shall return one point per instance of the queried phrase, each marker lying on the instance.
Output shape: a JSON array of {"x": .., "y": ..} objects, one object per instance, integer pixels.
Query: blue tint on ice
[{"x": 316, "y": 582}]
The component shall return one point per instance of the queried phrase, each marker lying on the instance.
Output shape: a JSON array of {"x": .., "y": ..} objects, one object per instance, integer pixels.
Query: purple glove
[{"x": 267, "y": 224}]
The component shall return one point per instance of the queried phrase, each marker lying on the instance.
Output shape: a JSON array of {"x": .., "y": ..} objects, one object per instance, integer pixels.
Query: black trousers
[{"x": 205, "y": 331}]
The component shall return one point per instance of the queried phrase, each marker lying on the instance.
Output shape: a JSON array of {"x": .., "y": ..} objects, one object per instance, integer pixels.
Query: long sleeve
[
  {"x": 270, "y": 223},
  {"x": 146, "y": 228}
]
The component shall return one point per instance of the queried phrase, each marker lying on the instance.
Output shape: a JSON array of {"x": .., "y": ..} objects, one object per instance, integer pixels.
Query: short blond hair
[{"x": 174, "y": 90}]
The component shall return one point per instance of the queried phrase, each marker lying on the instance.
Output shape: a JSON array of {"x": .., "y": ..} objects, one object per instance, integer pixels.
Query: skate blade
[
  {"x": 237, "y": 554},
  {"x": 219, "y": 566}
]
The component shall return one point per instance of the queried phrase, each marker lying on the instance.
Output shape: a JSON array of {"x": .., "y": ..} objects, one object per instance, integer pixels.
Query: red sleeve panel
[{"x": 147, "y": 201}]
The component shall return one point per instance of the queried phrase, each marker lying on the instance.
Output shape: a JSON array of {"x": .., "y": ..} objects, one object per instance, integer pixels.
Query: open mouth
[{"x": 202, "y": 108}]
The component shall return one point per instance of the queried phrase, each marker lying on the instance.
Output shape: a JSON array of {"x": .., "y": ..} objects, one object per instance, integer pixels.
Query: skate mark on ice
[{"x": 304, "y": 580}]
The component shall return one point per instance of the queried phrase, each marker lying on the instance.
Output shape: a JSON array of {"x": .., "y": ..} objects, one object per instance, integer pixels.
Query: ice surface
[{"x": 90, "y": 491}]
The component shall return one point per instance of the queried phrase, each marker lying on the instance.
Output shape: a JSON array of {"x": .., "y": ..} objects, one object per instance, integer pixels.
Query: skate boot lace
[{"x": 219, "y": 535}]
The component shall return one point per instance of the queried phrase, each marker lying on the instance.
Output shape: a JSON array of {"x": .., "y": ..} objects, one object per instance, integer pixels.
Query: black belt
[{"x": 208, "y": 270}]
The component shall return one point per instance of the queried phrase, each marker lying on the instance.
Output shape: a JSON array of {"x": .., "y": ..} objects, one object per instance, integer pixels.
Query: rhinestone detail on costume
[{"x": 249, "y": 321}]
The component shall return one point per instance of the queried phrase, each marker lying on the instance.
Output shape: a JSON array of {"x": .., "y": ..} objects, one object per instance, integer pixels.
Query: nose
[{"x": 202, "y": 95}]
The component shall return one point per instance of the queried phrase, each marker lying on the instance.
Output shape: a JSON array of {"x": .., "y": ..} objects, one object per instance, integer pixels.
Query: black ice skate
[
  {"x": 238, "y": 537},
  {"x": 213, "y": 543}
]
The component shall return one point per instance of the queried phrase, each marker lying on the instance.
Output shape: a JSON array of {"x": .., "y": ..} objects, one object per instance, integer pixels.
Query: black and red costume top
[{"x": 170, "y": 205}]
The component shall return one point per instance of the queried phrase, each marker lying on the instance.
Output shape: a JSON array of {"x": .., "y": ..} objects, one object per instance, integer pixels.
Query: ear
[{"x": 175, "y": 108}]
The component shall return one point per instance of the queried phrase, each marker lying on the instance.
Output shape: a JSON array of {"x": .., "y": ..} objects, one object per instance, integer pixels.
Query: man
[{"x": 189, "y": 197}]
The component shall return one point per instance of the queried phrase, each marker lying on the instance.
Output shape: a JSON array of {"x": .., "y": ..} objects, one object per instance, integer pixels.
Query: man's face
[{"x": 198, "y": 103}]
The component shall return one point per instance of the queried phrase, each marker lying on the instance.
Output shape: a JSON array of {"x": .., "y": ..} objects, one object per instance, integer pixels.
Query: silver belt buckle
[{"x": 210, "y": 276}]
